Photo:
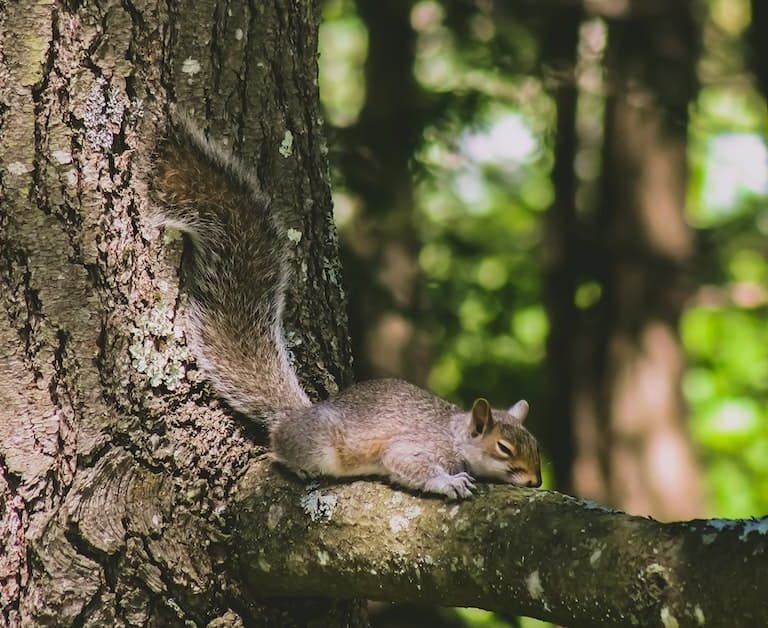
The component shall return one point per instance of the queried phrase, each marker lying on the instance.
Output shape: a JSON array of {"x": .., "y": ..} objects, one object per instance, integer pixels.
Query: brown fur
[
  {"x": 354, "y": 456},
  {"x": 235, "y": 275}
]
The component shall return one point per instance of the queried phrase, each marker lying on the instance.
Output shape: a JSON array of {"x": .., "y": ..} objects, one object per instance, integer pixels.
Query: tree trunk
[
  {"x": 757, "y": 44},
  {"x": 624, "y": 353},
  {"x": 116, "y": 466},
  {"x": 562, "y": 255},
  {"x": 380, "y": 245}
]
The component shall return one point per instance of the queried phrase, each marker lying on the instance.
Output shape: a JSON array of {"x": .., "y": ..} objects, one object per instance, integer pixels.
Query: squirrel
[{"x": 236, "y": 276}]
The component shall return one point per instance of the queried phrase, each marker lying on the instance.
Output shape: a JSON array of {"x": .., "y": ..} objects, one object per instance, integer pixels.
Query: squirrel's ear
[
  {"x": 482, "y": 420},
  {"x": 520, "y": 410}
]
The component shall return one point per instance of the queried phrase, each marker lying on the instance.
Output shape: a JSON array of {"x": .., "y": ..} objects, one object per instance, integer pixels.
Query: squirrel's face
[{"x": 504, "y": 451}]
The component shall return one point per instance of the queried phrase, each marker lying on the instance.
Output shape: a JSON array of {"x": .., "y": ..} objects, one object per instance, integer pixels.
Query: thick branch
[{"x": 535, "y": 553}]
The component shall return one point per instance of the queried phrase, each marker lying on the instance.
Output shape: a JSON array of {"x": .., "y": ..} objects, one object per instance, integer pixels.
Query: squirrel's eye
[{"x": 503, "y": 449}]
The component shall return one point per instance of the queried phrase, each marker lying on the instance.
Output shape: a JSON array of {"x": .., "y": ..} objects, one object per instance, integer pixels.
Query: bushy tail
[{"x": 236, "y": 272}]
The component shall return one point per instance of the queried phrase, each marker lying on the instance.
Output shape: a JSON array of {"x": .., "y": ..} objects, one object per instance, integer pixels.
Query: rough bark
[
  {"x": 534, "y": 553},
  {"x": 116, "y": 464}
]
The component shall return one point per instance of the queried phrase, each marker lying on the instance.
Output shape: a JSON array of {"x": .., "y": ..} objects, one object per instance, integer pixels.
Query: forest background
[{"x": 566, "y": 202}]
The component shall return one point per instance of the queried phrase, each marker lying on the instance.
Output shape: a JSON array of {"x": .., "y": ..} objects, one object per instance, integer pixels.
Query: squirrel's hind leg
[{"x": 307, "y": 465}]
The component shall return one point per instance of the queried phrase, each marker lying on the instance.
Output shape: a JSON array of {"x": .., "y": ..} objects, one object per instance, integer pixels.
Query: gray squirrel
[{"x": 236, "y": 277}]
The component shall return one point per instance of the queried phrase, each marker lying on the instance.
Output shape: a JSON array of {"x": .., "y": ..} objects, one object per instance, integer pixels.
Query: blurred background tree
[{"x": 567, "y": 202}]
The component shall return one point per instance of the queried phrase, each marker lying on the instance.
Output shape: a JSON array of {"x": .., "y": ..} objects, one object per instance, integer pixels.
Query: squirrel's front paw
[{"x": 458, "y": 486}]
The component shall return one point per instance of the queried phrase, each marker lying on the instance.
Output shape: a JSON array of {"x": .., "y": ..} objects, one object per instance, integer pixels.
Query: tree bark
[{"x": 116, "y": 463}]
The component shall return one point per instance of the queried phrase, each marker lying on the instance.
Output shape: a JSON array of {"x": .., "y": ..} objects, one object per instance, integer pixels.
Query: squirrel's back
[
  {"x": 351, "y": 433},
  {"x": 236, "y": 272}
]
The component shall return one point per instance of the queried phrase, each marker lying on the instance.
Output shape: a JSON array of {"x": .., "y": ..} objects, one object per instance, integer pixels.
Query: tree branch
[{"x": 535, "y": 553}]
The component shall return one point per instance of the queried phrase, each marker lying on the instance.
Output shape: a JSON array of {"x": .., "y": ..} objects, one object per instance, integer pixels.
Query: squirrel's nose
[{"x": 534, "y": 482}]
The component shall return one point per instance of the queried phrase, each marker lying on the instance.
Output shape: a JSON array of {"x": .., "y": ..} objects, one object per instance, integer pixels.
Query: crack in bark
[{"x": 13, "y": 564}]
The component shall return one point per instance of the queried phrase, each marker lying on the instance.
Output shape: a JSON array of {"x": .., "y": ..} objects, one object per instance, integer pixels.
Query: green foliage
[
  {"x": 480, "y": 258},
  {"x": 481, "y": 178},
  {"x": 725, "y": 331},
  {"x": 727, "y": 389},
  {"x": 482, "y": 619},
  {"x": 343, "y": 42}
]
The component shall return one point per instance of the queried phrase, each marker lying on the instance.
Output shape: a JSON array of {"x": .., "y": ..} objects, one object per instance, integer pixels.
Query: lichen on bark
[{"x": 117, "y": 462}]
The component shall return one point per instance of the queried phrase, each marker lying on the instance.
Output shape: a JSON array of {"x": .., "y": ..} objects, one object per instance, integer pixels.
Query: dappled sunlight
[
  {"x": 386, "y": 341},
  {"x": 481, "y": 183},
  {"x": 587, "y": 229},
  {"x": 738, "y": 167},
  {"x": 507, "y": 142},
  {"x": 661, "y": 200},
  {"x": 344, "y": 41},
  {"x": 588, "y": 476}
]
